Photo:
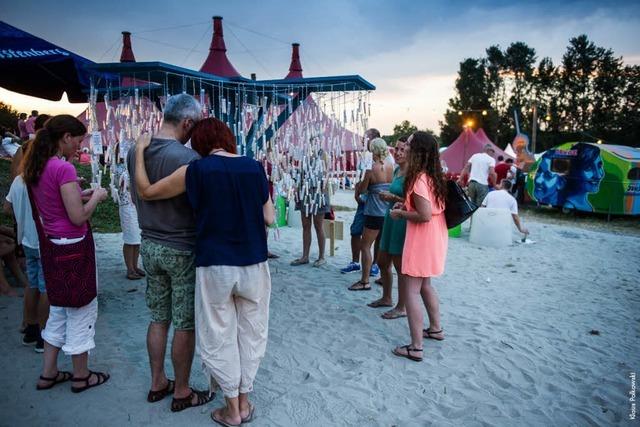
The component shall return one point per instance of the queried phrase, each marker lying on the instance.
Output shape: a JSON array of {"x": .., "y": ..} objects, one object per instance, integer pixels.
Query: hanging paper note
[{"x": 96, "y": 143}]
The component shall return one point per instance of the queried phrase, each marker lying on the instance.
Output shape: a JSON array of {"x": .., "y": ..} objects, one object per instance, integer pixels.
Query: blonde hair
[{"x": 379, "y": 148}]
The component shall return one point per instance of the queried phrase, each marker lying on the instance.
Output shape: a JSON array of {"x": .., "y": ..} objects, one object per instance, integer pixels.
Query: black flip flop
[
  {"x": 364, "y": 286},
  {"x": 157, "y": 395}
]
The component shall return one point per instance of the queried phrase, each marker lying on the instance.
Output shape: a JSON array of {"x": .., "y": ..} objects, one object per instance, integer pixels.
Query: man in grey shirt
[{"x": 168, "y": 240}]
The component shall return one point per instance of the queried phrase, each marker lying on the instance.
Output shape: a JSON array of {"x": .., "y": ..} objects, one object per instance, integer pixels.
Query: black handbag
[{"x": 458, "y": 206}]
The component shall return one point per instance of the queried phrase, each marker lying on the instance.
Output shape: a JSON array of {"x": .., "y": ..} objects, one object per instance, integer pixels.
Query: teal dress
[{"x": 393, "y": 230}]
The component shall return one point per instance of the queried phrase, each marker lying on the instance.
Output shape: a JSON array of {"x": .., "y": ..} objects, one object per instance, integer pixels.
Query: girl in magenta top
[
  {"x": 64, "y": 210},
  {"x": 425, "y": 245}
]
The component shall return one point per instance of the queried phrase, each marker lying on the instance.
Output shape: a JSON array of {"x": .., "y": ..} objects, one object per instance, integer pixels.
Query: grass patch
[{"x": 106, "y": 218}]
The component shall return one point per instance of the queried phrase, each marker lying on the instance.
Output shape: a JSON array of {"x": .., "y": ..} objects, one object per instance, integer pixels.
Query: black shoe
[
  {"x": 39, "y": 346},
  {"x": 31, "y": 335}
]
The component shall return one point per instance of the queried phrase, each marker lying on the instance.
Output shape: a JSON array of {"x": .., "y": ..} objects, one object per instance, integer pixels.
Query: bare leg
[
  {"x": 431, "y": 303},
  {"x": 318, "y": 221},
  {"x": 231, "y": 413},
  {"x": 306, "y": 236},
  {"x": 43, "y": 310},
  {"x": 245, "y": 405},
  {"x": 81, "y": 369},
  {"x": 384, "y": 260},
  {"x": 397, "y": 263},
  {"x": 376, "y": 248},
  {"x": 157, "y": 347},
  {"x": 182, "y": 351},
  {"x": 31, "y": 297},
  {"x": 135, "y": 249},
  {"x": 368, "y": 237},
  {"x": 355, "y": 248},
  {"x": 11, "y": 261},
  {"x": 50, "y": 363},
  {"x": 414, "y": 310}
]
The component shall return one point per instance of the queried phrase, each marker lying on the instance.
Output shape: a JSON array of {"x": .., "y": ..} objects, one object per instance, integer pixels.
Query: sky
[{"x": 410, "y": 50}]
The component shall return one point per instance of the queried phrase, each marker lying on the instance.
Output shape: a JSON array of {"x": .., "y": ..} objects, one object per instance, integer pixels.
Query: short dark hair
[
  {"x": 505, "y": 184},
  {"x": 34, "y": 112},
  {"x": 38, "y": 123},
  {"x": 403, "y": 138},
  {"x": 509, "y": 160},
  {"x": 373, "y": 133},
  {"x": 23, "y": 116},
  {"x": 500, "y": 158}
]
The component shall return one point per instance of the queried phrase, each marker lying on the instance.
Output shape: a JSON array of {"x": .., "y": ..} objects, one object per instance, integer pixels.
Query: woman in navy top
[{"x": 230, "y": 197}]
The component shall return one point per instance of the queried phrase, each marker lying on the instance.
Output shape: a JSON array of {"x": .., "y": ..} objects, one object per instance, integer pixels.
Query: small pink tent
[{"x": 466, "y": 145}]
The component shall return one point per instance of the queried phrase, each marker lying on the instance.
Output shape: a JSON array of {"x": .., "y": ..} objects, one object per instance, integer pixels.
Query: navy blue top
[{"x": 227, "y": 194}]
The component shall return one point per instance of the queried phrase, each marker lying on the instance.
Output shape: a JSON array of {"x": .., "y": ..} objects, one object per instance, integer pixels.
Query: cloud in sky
[{"x": 410, "y": 50}]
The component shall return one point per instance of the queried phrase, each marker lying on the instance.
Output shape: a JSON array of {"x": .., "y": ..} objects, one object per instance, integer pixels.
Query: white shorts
[{"x": 72, "y": 329}]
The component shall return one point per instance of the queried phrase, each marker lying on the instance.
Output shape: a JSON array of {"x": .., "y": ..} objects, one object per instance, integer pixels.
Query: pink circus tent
[{"x": 466, "y": 145}]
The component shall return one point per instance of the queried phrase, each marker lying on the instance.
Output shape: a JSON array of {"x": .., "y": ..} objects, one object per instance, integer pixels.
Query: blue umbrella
[{"x": 33, "y": 66}]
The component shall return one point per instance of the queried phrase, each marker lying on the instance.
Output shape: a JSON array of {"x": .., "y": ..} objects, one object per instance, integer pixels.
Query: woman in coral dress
[{"x": 425, "y": 246}]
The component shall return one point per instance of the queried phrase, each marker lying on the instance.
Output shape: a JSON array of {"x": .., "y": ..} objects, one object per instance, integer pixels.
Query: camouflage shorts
[{"x": 171, "y": 278}]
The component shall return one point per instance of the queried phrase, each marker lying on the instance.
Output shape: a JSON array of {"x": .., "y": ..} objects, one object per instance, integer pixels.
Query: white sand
[{"x": 518, "y": 349}]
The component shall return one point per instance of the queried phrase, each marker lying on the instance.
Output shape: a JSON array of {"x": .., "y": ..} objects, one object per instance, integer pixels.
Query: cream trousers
[{"x": 232, "y": 320}]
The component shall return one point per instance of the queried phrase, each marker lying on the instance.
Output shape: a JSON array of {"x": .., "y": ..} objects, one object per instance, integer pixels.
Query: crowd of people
[{"x": 206, "y": 271}]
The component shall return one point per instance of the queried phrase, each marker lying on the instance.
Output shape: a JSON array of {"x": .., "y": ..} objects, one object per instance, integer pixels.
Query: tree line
[{"x": 590, "y": 95}]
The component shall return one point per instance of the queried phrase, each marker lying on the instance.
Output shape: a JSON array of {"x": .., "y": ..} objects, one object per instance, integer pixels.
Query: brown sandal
[
  {"x": 101, "y": 379},
  {"x": 204, "y": 397},
  {"x": 157, "y": 395},
  {"x": 66, "y": 376}
]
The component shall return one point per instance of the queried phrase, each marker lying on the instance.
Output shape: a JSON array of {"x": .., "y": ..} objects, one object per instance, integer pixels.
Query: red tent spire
[
  {"x": 217, "y": 62},
  {"x": 295, "y": 69},
  {"x": 127, "y": 52}
]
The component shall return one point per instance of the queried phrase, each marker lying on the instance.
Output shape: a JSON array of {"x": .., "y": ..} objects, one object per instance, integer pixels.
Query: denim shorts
[
  {"x": 34, "y": 269},
  {"x": 358, "y": 221}
]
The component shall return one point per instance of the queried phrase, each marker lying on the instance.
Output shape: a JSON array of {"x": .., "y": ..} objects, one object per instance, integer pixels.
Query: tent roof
[
  {"x": 33, "y": 66},
  {"x": 466, "y": 145}
]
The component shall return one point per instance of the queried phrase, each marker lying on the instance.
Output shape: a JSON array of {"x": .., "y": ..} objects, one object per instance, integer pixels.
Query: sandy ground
[{"x": 519, "y": 348}]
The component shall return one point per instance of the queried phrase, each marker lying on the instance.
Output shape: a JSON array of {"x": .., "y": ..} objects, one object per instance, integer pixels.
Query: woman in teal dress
[{"x": 392, "y": 240}]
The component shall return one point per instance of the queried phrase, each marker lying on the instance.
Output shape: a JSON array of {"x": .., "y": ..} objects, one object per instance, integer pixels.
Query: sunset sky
[{"x": 409, "y": 49}]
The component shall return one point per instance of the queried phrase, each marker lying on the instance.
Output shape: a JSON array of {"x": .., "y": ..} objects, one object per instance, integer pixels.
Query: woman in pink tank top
[{"x": 64, "y": 210}]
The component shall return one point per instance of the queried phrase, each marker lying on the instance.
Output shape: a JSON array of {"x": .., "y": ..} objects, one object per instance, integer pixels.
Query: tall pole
[{"x": 534, "y": 129}]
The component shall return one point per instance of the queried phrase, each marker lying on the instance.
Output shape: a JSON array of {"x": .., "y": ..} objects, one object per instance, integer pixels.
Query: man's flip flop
[
  {"x": 408, "y": 354},
  {"x": 157, "y": 395},
  {"x": 360, "y": 286},
  {"x": 299, "y": 262},
  {"x": 223, "y": 422},
  {"x": 66, "y": 376},
  {"x": 181, "y": 404},
  {"x": 101, "y": 379},
  {"x": 249, "y": 417},
  {"x": 426, "y": 333}
]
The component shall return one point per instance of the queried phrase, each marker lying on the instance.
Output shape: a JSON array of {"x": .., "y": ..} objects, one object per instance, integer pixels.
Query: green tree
[
  {"x": 8, "y": 117},
  {"x": 471, "y": 94},
  {"x": 405, "y": 128},
  {"x": 579, "y": 63}
]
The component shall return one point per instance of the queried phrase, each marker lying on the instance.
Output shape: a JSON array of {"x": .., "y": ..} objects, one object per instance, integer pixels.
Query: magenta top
[{"x": 48, "y": 198}]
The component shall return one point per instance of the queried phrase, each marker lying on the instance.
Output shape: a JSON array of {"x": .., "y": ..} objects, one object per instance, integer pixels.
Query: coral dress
[{"x": 425, "y": 244}]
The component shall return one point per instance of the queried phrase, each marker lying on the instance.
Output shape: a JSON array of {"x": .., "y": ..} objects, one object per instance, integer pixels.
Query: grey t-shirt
[{"x": 168, "y": 222}]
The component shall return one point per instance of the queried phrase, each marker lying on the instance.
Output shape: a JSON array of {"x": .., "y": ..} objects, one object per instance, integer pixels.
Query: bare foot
[
  {"x": 222, "y": 414},
  {"x": 246, "y": 412}
]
